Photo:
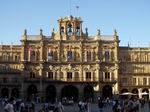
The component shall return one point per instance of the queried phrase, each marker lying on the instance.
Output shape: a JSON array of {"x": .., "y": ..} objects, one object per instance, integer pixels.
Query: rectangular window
[
  {"x": 69, "y": 75},
  {"x": 50, "y": 75},
  {"x": 134, "y": 81},
  {"x": 107, "y": 75},
  {"x": 50, "y": 54},
  {"x": 107, "y": 55},
  {"x": 149, "y": 81},
  {"x": 88, "y": 75},
  {"x": 69, "y": 56},
  {"x": 144, "y": 81},
  {"x": 32, "y": 75}
]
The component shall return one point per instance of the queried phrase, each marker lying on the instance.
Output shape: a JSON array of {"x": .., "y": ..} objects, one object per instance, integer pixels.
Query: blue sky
[{"x": 131, "y": 18}]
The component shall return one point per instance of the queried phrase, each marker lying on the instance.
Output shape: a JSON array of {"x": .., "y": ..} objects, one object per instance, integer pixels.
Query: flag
[{"x": 77, "y": 7}]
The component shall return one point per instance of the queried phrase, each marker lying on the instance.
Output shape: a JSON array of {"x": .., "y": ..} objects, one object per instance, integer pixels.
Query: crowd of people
[
  {"x": 131, "y": 104},
  {"x": 117, "y": 105}
]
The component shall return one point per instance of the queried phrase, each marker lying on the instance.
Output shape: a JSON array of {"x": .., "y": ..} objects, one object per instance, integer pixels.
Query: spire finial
[
  {"x": 41, "y": 32},
  {"x": 86, "y": 31},
  {"x": 115, "y": 32},
  {"x": 98, "y": 32},
  {"x": 25, "y": 32},
  {"x": 53, "y": 31}
]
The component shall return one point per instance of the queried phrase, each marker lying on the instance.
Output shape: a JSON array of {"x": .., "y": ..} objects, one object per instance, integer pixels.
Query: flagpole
[{"x": 77, "y": 7}]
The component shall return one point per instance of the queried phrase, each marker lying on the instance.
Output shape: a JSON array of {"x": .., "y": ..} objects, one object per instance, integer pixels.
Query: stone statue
[{"x": 98, "y": 32}]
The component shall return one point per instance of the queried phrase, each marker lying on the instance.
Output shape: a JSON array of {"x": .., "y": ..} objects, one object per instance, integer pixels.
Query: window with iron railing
[
  {"x": 32, "y": 75},
  {"x": 88, "y": 76},
  {"x": 50, "y": 75},
  {"x": 69, "y": 75}
]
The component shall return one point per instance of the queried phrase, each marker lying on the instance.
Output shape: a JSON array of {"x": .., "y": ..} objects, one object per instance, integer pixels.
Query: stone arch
[
  {"x": 89, "y": 93},
  {"x": 135, "y": 91},
  {"x": 51, "y": 93},
  {"x": 107, "y": 91},
  {"x": 15, "y": 92},
  {"x": 31, "y": 92},
  {"x": 145, "y": 96},
  {"x": 5, "y": 92},
  {"x": 124, "y": 90},
  {"x": 70, "y": 92}
]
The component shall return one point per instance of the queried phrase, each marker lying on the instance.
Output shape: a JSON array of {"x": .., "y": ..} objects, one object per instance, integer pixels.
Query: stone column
[
  {"x": 149, "y": 93},
  {"x": 22, "y": 91},
  {"x": 41, "y": 52},
  {"x": 140, "y": 91},
  {"x": 41, "y": 79}
]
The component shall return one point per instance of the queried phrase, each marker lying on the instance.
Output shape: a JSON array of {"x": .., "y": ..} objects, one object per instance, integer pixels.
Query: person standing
[
  {"x": 100, "y": 104},
  {"x": 60, "y": 107},
  {"x": 9, "y": 106}
]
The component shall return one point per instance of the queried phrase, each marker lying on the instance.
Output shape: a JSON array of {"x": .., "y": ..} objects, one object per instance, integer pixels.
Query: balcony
[
  {"x": 74, "y": 80},
  {"x": 28, "y": 79},
  {"x": 110, "y": 80},
  {"x": 10, "y": 82}
]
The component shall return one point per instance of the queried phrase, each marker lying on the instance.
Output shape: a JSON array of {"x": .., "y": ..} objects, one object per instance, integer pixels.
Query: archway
[
  {"x": 15, "y": 93},
  {"x": 146, "y": 95},
  {"x": 107, "y": 91},
  {"x": 124, "y": 90},
  {"x": 5, "y": 93},
  {"x": 88, "y": 93},
  {"x": 70, "y": 92},
  {"x": 50, "y": 93},
  {"x": 31, "y": 92},
  {"x": 135, "y": 91},
  {"x": 124, "y": 96}
]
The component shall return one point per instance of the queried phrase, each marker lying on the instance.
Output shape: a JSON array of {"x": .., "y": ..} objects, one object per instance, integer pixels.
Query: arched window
[
  {"x": 69, "y": 30},
  {"x": 50, "y": 54},
  {"x": 69, "y": 55},
  {"x": 32, "y": 54},
  {"x": 78, "y": 31},
  {"x": 107, "y": 55},
  {"x": 62, "y": 31},
  {"x": 88, "y": 55}
]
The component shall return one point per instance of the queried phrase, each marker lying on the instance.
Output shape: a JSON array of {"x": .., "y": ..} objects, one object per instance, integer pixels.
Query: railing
[
  {"x": 28, "y": 79},
  {"x": 110, "y": 80},
  {"x": 65, "y": 79},
  {"x": 10, "y": 82}
]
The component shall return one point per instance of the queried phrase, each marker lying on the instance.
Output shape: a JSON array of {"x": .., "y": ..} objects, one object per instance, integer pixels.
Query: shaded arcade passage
[
  {"x": 107, "y": 91},
  {"x": 88, "y": 93},
  {"x": 31, "y": 92},
  {"x": 70, "y": 92},
  {"x": 50, "y": 93}
]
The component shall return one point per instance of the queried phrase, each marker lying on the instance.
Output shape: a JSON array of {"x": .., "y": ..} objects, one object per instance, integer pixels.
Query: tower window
[
  {"x": 78, "y": 31},
  {"x": 62, "y": 31},
  {"x": 69, "y": 30}
]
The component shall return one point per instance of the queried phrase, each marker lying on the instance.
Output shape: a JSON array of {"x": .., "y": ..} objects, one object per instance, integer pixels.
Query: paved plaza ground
[{"x": 94, "y": 108}]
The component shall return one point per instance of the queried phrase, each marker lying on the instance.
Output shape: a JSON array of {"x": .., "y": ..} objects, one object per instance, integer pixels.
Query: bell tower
[{"x": 70, "y": 28}]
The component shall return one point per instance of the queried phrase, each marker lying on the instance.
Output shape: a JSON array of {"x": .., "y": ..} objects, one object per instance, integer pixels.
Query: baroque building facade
[{"x": 72, "y": 64}]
